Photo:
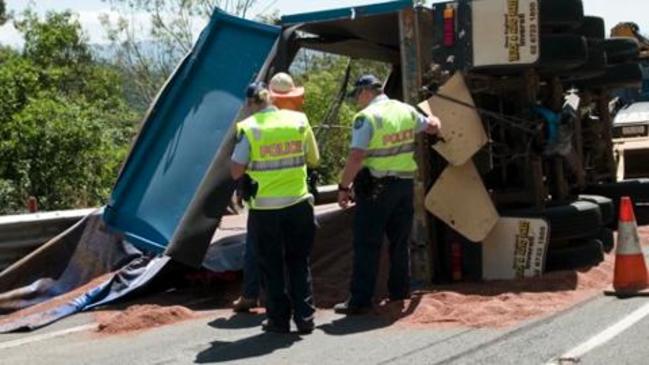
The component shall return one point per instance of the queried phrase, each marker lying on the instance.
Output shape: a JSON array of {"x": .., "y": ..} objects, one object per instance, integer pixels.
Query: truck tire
[
  {"x": 562, "y": 52},
  {"x": 561, "y": 14},
  {"x": 607, "y": 237},
  {"x": 636, "y": 189},
  {"x": 617, "y": 76},
  {"x": 642, "y": 214},
  {"x": 577, "y": 220},
  {"x": 621, "y": 49},
  {"x": 606, "y": 207},
  {"x": 595, "y": 65},
  {"x": 592, "y": 27},
  {"x": 584, "y": 254}
]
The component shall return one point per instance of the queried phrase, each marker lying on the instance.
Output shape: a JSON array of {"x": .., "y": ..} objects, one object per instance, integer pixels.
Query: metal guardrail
[
  {"x": 327, "y": 194},
  {"x": 21, "y": 234}
]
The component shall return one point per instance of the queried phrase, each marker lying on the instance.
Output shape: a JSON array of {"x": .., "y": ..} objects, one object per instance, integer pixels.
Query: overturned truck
[{"x": 522, "y": 87}]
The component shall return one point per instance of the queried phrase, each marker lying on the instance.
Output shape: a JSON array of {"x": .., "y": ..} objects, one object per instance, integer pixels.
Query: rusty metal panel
[{"x": 412, "y": 75}]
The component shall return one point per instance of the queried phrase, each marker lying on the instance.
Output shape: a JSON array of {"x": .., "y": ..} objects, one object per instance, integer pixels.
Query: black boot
[{"x": 305, "y": 327}]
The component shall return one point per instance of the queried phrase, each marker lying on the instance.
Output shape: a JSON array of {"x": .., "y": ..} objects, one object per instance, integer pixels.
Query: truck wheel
[
  {"x": 617, "y": 76},
  {"x": 595, "y": 65},
  {"x": 562, "y": 52},
  {"x": 621, "y": 49},
  {"x": 606, "y": 207},
  {"x": 561, "y": 14},
  {"x": 642, "y": 214},
  {"x": 578, "y": 220},
  {"x": 592, "y": 27},
  {"x": 636, "y": 189},
  {"x": 585, "y": 254},
  {"x": 607, "y": 237}
]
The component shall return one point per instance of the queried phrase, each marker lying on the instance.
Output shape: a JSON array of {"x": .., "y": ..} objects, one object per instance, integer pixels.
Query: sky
[{"x": 89, "y": 11}]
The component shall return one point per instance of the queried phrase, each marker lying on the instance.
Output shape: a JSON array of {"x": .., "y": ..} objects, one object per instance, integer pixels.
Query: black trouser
[
  {"x": 389, "y": 212},
  {"x": 251, "y": 284},
  {"x": 284, "y": 239}
]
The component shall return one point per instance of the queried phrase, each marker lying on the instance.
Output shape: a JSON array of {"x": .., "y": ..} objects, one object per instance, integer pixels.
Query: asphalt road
[{"x": 218, "y": 336}]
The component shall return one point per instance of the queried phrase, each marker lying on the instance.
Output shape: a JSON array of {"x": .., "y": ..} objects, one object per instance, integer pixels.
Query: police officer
[
  {"x": 382, "y": 167},
  {"x": 285, "y": 95},
  {"x": 273, "y": 149}
]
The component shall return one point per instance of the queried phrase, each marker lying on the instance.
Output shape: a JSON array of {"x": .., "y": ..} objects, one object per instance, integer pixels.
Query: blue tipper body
[
  {"x": 191, "y": 119},
  {"x": 185, "y": 128}
]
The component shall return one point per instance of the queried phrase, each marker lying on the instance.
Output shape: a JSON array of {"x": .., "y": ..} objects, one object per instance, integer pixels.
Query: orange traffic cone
[{"x": 630, "y": 278}]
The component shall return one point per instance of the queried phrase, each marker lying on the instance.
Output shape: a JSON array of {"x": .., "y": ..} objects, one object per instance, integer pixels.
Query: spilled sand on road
[
  {"x": 500, "y": 303},
  {"x": 493, "y": 304},
  {"x": 140, "y": 317},
  {"x": 477, "y": 305},
  {"x": 490, "y": 304}
]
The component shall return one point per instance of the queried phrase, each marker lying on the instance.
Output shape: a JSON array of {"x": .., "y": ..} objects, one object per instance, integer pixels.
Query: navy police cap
[{"x": 364, "y": 82}]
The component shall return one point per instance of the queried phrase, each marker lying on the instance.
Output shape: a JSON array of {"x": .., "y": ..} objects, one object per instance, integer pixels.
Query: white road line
[
  {"x": 608, "y": 334},
  {"x": 46, "y": 336}
]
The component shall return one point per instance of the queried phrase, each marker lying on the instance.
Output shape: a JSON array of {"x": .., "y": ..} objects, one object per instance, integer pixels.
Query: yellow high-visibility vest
[
  {"x": 277, "y": 157},
  {"x": 391, "y": 149}
]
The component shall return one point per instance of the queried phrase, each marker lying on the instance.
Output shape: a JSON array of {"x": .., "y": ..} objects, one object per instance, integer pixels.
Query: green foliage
[
  {"x": 62, "y": 152},
  {"x": 322, "y": 76},
  {"x": 64, "y": 124},
  {"x": 57, "y": 41}
]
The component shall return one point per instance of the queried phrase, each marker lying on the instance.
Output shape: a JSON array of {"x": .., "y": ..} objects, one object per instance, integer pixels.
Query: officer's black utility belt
[{"x": 367, "y": 186}]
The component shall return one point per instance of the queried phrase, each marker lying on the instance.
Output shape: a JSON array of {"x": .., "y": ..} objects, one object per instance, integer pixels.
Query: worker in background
[
  {"x": 284, "y": 92},
  {"x": 285, "y": 95},
  {"x": 381, "y": 166},
  {"x": 271, "y": 155}
]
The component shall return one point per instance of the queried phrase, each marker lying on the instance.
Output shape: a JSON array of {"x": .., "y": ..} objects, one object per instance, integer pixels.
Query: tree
[
  {"x": 3, "y": 13},
  {"x": 64, "y": 124},
  {"x": 147, "y": 57}
]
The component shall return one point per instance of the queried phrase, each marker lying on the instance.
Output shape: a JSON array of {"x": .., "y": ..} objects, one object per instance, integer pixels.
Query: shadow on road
[
  {"x": 255, "y": 346},
  {"x": 351, "y": 325},
  {"x": 383, "y": 316},
  {"x": 238, "y": 321}
]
